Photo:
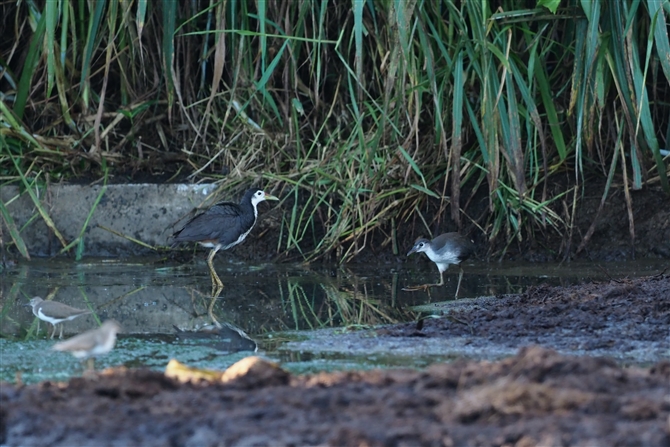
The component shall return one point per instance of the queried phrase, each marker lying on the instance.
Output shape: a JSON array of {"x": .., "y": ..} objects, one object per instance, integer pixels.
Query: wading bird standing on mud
[{"x": 445, "y": 249}]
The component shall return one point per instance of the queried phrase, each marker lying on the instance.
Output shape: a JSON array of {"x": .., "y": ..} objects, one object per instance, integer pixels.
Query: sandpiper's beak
[
  {"x": 413, "y": 250},
  {"x": 270, "y": 197}
]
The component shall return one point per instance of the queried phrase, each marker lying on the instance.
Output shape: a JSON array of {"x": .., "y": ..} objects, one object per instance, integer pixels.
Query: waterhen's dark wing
[{"x": 218, "y": 224}]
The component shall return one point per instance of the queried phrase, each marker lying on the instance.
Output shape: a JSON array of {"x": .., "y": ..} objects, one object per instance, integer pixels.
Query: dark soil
[
  {"x": 537, "y": 397},
  {"x": 616, "y": 316}
]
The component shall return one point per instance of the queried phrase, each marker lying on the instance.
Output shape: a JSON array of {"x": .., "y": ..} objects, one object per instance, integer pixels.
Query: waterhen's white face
[{"x": 260, "y": 196}]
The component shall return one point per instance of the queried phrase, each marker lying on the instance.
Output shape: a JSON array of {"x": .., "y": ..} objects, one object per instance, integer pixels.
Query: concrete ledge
[{"x": 141, "y": 211}]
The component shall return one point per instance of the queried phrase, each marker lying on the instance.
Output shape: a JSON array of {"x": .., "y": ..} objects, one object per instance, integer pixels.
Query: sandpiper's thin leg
[
  {"x": 53, "y": 332},
  {"x": 61, "y": 331}
]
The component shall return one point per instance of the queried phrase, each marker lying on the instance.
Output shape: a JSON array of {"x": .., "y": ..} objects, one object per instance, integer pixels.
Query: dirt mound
[
  {"x": 622, "y": 315},
  {"x": 537, "y": 397}
]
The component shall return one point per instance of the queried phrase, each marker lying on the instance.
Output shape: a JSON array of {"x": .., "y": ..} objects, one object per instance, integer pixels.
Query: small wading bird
[
  {"x": 222, "y": 226},
  {"x": 91, "y": 344},
  {"x": 55, "y": 313},
  {"x": 445, "y": 249}
]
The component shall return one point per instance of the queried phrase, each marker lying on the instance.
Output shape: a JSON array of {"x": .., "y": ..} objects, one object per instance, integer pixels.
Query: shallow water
[{"x": 166, "y": 309}]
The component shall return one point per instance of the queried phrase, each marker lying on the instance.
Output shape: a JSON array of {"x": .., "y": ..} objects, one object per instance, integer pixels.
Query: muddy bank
[
  {"x": 611, "y": 239},
  {"x": 150, "y": 213},
  {"x": 537, "y": 397},
  {"x": 622, "y": 315},
  {"x": 625, "y": 319},
  {"x": 599, "y": 234}
]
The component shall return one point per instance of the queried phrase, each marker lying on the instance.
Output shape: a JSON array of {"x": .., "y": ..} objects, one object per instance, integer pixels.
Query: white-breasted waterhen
[
  {"x": 445, "y": 249},
  {"x": 54, "y": 312},
  {"x": 222, "y": 226}
]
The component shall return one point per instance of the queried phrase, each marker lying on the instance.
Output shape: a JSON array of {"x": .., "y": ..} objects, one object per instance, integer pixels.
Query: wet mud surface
[
  {"x": 535, "y": 397},
  {"x": 626, "y": 318}
]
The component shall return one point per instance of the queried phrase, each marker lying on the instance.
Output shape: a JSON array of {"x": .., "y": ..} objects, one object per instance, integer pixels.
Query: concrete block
[{"x": 142, "y": 211}]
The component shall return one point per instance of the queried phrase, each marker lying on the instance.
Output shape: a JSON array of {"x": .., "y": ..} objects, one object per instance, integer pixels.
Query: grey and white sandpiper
[
  {"x": 92, "y": 343},
  {"x": 55, "y": 313}
]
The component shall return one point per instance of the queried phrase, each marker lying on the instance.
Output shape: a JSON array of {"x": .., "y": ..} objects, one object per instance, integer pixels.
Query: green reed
[{"x": 368, "y": 117}]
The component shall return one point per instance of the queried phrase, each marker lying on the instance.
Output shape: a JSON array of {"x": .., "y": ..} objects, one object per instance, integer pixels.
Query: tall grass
[{"x": 370, "y": 117}]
